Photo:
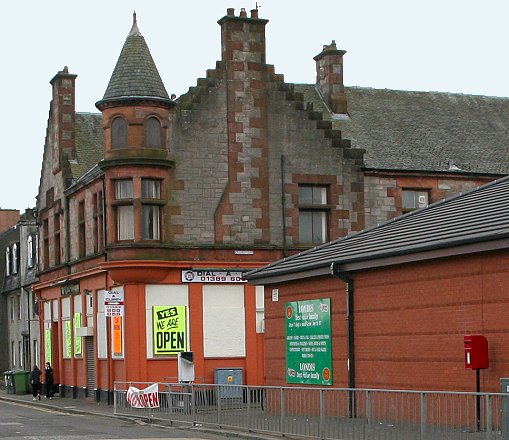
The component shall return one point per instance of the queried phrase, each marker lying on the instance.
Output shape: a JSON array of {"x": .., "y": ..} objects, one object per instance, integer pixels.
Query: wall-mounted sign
[
  {"x": 114, "y": 303},
  {"x": 47, "y": 345},
  {"x": 117, "y": 336},
  {"x": 77, "y": 339},
  {"x": 68, "y": 338},
  {"x": 169, "y": 326},
  {"x": 212, "y": 276},
  {"x": 308, "y": 342}
]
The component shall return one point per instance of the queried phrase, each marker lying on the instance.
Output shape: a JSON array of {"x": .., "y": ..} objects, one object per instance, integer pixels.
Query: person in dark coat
[
  {"x": 48, "y": 380},
  {"x": 35, "y": 381}
]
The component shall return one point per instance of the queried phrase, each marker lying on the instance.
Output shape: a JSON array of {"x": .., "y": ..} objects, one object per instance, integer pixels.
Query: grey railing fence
[{"x": 328, "y": 413}]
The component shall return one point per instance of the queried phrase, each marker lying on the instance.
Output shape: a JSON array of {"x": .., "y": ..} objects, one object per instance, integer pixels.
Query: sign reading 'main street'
[{"x": 169, "y": 326}]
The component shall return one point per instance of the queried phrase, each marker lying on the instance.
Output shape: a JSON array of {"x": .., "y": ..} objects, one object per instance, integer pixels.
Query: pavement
[
  {"x": 64, "y": 404},
  {"x": 91, "y": 407}
]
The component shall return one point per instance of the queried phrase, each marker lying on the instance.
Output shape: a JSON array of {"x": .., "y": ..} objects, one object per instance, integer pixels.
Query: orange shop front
[{"x": 129, "y": 322}]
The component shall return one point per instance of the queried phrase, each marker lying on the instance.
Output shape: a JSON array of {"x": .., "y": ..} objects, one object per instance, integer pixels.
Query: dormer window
[
  {"x": 119, "y": 133},
  {"x": 31, "y": 250},
  {"x": 8, "y": 261},
  {"x": 14, "y": 258},
  {"x": 153, "y": 133}
]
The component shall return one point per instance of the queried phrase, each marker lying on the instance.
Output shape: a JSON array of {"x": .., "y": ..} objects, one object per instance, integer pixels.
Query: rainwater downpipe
[
  {"x": 350, "y": 333},
  {"x": 283, "y": 205}
]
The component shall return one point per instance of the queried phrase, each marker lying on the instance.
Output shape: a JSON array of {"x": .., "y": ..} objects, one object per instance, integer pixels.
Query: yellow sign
[
  {"x": 117, "y": 336},
  {"x": 77, "y": 339},
  {"x": 47, "y": 344},
  {"x": 68, "y": 338},
  {"x": 169, "y": 324}
]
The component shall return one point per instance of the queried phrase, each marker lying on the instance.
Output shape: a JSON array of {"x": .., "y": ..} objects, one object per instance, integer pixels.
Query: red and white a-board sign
[
  {"x": 114, "y": 303},
  {"x": 146, "y": 398}
]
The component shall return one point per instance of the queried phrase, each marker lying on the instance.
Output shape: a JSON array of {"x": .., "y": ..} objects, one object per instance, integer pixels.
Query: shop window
[
  {"x": 153, "y": 133},
  {"x": 313, "y": 212},
  {"x": 118, "y": 133},
  {"x": 414, "y": 199}
]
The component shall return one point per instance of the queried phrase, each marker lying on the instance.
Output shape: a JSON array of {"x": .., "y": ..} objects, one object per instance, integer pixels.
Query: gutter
[{"x": 350, "y": 331}]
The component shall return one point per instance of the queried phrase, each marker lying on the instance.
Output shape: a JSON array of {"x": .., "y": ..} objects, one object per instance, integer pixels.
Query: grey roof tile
[
  {"x": 135, "y": 74},
  {"x": 423, "y": 131},
  {"x": 89, "y": 138}
]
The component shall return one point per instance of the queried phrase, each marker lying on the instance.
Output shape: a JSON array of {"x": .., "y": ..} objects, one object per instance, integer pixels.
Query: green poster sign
[
  {"x": 77, "y": 339},
  {"x": 68, "y": 338},
  {"x": 47, "y": 344},
  {"x": 169, "y": 326},
  {"x": 308, "y": 342}
]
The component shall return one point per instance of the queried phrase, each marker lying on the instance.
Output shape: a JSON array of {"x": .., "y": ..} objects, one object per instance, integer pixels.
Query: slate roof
[
  {"x": 135, "y": 74},
  {"x": 423, "y": 131},
  {"x": 480, "y": 215},
  {"x": 89, "y": 138}
]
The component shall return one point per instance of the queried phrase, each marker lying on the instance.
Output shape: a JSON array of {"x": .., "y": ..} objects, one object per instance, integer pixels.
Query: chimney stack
[
  {"x": 63, "y": 115},
  {"x": 329, "y": 77}
]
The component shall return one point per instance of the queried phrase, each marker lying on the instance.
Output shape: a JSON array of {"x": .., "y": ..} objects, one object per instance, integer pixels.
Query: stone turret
[{"x": 135, "y": 105}]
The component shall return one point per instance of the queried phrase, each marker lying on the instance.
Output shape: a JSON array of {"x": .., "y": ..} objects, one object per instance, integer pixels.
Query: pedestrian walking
[
  {"x": 48, "y": 380},
  {"x": 35, "y": 381}
]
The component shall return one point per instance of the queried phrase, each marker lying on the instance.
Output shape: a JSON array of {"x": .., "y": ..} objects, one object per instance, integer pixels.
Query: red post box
[{"x": 476, "y": 352}]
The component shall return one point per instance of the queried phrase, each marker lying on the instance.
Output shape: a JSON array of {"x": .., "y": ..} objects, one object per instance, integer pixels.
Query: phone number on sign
[{"x": 221, "y": 279}]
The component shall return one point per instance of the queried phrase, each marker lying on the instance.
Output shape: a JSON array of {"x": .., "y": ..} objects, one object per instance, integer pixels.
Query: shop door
[{"x": 89, "y": 345}]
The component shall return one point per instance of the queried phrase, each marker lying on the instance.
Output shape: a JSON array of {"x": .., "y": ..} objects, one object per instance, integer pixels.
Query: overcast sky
[{"x": 437, "y": 45}]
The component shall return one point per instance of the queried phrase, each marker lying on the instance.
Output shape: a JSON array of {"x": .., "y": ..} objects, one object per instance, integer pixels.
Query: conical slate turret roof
[{"x": 135, "y": 75}]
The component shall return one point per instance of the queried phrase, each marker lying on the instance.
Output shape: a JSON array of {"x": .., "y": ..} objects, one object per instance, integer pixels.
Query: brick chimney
[
  {"x": 63, "y": 117},
  {"x": 247, "y": 75},
  {"x": 329, "y": 77}
]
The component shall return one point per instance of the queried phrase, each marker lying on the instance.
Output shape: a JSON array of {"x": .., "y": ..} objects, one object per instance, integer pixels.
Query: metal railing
[{"x": 328, "y": 413}]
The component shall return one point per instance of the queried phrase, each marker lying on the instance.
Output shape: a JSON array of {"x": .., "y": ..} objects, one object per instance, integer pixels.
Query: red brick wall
[
  {"x": 8, "y": 218},
  {"x": 409, "y": 323}
]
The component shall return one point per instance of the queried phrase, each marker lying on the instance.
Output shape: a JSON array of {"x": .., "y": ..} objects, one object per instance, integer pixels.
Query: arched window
[
  {"x": 153, "y": 133},
  {"x": 119, "y": 133}
]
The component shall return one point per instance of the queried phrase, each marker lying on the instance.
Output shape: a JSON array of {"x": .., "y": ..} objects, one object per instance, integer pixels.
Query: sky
[{"x": 454, "y": 46}]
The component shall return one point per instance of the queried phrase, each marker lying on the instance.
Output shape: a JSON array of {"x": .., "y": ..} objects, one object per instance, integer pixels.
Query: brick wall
[{"x": 409, "y": 323}]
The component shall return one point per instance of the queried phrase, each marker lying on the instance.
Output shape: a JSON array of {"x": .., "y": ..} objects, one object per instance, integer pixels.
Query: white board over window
[{"x": 224, "y": 321}]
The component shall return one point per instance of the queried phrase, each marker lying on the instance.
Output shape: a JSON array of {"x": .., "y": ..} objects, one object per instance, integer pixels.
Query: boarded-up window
[{"x": 224, "y": 325}]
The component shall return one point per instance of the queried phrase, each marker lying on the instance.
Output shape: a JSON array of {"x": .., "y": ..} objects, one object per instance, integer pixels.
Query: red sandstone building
[
  {"x": 151, "y": 211},
  {"x": 402, "y": 298}
]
